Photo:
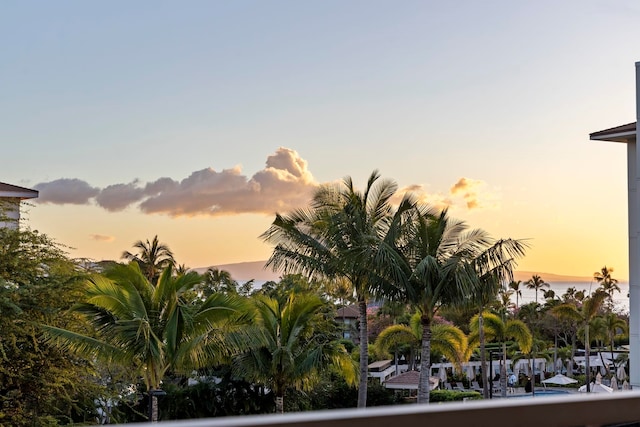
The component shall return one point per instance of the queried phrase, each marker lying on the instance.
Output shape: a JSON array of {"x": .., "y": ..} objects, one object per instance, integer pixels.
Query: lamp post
[{"x": 153, "y": 403}]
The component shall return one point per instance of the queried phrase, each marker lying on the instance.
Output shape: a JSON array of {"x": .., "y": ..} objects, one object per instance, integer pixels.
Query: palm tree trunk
[
  {"x": 364, "y": 355},
  {"x": 503, "y": 371},
  {"x": 483, "y": 357},
  {"x": 587, "y": 356},
  {"x": 425, "y": 361},
  {"x": 280, "y": 404}
]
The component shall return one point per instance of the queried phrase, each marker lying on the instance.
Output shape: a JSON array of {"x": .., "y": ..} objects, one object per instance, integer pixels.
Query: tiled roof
[{"x": 350, "y": 311}]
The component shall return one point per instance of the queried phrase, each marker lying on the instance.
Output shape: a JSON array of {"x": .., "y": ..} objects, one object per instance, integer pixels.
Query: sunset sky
[{"x": 198, "y": 120}]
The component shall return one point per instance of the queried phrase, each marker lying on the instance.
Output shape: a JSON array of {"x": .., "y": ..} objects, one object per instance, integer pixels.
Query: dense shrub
[{"x": 453, "y": 395}]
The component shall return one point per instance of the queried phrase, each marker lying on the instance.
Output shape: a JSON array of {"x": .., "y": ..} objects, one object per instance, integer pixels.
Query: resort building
[
  {"x": 626, "y": 134},
  {"x": 10, "y": 198}
]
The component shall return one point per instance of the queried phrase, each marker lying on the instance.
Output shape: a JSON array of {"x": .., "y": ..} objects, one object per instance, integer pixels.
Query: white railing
[{"x": 619, "y": 409}]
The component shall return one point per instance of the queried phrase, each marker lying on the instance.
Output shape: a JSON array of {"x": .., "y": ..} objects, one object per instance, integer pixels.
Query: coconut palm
[
  {"x": 583, "y": 316},
  {"x": 341, "y": 236},
  {"x": 515, "y": 286},
  {"x": 151, "y": 329},
  {"x": 297, "y": 348},
  {"x": 615, "y": 326},
  {"x": 496, "y": 329},
  {"x": 536, "y": 283},
  {"x": 446, "y": 264},
  {"x": 447, "y": 340},
  {"x": 153, "y": 257},
  {"x": 216, "y": 280},
  {"x": 607, "y": 283}
]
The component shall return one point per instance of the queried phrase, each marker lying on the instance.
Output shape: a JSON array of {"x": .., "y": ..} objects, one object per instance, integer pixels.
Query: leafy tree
[
  {"x": 153, "y": 257},
  {"x": 39, "y": 385},
  {"x": 152, "y": 328},
  {"x": 341, "y": 236},
  {"x": 297, "y": 347}
]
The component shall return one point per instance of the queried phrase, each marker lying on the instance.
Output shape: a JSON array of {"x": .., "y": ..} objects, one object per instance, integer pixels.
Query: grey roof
[
  {"x": 622, "y": 133},
  {"x": 8, "y": 190}
]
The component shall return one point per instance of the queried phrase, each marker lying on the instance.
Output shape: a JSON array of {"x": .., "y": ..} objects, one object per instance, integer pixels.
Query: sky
[{"x": 197, "y": 121}]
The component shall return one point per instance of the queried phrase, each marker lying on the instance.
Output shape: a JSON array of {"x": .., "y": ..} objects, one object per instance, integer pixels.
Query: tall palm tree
[
  {"x": 342, "y": 235},
  {"x": 607, "y": 283},
  {"x": 446, "y": 263},
  {"x": 515, "y": 286},
  {"x": 583, "y": 315},
  {"x": 536, "y": 283},
  {"x": 297, "y": 348},
  {"x": 496, "y": 329},
  {"x": 152, "y": 328},
  {"x": 153, "y": 257}
]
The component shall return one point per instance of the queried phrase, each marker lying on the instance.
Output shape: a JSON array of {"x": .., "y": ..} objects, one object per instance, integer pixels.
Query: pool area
[{"x": 543, "y": 392}]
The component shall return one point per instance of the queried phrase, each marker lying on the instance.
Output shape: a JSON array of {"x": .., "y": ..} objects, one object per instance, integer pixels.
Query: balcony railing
[{"x": 616, "y": 409}]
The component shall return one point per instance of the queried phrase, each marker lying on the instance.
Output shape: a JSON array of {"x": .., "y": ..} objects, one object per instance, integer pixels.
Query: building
[
  {"x": 626, "y": 134},
  {"x": 10, "y": 198},
  {"x": 348, "y": 317}
]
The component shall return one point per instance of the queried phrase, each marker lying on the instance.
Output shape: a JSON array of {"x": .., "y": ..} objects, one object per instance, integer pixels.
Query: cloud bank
[{"x": 284, "y": 184}]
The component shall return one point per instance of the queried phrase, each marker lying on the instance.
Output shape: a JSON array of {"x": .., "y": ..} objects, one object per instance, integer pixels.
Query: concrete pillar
[{"x": 633, "y": 167}]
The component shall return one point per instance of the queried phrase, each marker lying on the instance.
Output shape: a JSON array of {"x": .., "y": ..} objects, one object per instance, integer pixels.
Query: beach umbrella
[
  {"x": 626, "y": 385},
  {"x": 598, "y": 378},
  {"x": 442, "y": 374},
  {"x": 614, "y": 384},
  {"x": 560, "y": 380}
]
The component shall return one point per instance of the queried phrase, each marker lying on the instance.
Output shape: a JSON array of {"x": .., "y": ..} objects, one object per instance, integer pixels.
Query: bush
[{"x": 453, "y": 395}]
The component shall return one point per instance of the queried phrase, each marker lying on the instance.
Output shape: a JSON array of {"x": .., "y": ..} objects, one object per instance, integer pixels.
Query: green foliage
[
  {"x": 39, "y": 384},
  {"x": 299, "y": 344},
  {"x": 453, "y": 395}
]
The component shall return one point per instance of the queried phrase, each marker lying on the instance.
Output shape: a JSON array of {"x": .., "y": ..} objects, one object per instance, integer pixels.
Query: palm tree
[
  {"x": 583, "y": 315},
  {"x": 297, "y": 348},
  {"x": 515, "y": 286},
  {"x": 216, "y": 280},
  {"x": 445, "y": 265},
  {"x": 342, "y": 236},
  {"x": 615, "y": 326},
  {"x": 151, "y": 329},
  {"x": 607, "y": 283},
  {"x": 447, "y": 340},
  {"x": 536, "y": 283},
  {"x": 153, "y": 257},
  {"x": 496, "y": 329}
]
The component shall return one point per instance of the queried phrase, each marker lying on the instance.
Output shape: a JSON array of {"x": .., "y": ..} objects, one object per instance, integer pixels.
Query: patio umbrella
[
  {"x": 470, "y": 373},
  {"x": 621, "y": 373},
  {"x": 596, "y": 388},
  {"x": 614, "y": 384},
  {"x": 626, "y": 385},
  {"x": 560, "y": 380},
  {"x": 442, "y": 373}
]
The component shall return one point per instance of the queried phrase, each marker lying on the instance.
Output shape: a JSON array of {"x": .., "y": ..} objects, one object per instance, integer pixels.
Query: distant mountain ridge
[{"x": 244, "y": 271}]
